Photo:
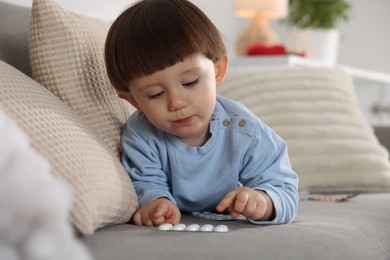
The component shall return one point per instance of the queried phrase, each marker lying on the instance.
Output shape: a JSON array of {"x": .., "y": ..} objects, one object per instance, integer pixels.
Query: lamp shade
[{"x": 276, "y": 9}]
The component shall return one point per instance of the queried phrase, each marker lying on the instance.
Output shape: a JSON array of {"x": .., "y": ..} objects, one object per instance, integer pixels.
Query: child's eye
[
  {"x": 156, "y": 96},
  {"x": 191, "y": 83}
]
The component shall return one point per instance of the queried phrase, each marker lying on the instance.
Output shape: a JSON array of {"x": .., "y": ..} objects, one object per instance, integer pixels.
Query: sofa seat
[{"x": 354, "y": 229}]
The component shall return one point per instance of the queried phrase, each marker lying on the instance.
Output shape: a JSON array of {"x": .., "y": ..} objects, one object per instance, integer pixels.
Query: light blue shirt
[{"x": 241, "y": 151}]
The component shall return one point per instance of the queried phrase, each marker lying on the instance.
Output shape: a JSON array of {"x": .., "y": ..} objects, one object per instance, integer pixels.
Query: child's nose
[{"x": 176, "y": 102}]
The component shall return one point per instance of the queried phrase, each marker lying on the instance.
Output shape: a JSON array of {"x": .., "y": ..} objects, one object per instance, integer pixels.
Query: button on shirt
[{"x": 241, "y": 151}]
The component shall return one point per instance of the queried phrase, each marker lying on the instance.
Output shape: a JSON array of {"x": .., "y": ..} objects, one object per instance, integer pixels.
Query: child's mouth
[{"x": 184, "y": 121}]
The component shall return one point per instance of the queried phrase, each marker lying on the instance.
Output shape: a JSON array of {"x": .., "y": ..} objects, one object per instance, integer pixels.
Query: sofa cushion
[
  {"x": 66, "y": 52},
  {"x": 102, "y": 190},
  {"x": 331, "y": 145}
]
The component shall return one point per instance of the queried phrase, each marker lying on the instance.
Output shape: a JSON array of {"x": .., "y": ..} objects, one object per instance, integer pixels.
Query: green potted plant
[
  {"x": 320, "y": 14},
  {"x": 314, "y": 27}
]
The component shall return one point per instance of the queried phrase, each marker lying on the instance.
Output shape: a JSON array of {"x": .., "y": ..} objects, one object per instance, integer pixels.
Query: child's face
[{"x": 180, "y": 99}]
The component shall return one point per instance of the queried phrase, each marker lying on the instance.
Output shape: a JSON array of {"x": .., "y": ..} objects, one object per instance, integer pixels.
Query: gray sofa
[{"x": 358, "y": 228}]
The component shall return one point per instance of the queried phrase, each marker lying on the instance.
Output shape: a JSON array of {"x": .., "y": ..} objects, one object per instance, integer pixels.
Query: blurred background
[{"x": 364, "y": 37}]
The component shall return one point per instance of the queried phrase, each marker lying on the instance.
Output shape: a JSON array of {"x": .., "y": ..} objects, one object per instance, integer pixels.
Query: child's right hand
[{"x": 157, "y": 212}]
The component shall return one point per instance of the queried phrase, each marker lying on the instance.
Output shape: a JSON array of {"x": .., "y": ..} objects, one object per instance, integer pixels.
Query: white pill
[
  {"x": 221, "y": 228},
  {"x": 207, "y": 228},
  {"x": 179, "y": 227},
  {"x": 165, "y": 227},
  {"x": 193, "y": 227}
]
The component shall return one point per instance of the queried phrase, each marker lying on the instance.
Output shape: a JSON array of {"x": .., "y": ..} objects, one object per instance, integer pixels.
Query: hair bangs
[{"x": 156, "y": 34}]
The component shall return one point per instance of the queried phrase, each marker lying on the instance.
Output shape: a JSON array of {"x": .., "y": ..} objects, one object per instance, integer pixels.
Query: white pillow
[{"x": 34, "y": 205}]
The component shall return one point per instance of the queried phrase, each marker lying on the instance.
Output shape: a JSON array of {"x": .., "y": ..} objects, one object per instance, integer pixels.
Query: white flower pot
[{"x": 316, "y": 44}]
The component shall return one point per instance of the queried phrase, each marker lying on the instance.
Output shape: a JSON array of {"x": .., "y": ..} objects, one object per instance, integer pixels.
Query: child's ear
[
  {"x": 126, "y": 95},
  {"x": 220, "y": 67}
]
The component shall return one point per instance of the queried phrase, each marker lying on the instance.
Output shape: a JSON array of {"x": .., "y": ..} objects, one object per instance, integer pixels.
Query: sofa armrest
[{"x": 14, "y": 31}]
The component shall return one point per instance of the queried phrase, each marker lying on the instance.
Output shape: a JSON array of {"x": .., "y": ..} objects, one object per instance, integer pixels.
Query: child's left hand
[{"x": 253, "y": 204}]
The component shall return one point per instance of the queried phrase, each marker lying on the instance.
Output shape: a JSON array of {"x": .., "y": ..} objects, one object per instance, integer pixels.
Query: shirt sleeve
[
  {"x": 143, "y": 163},
  {"x": 267, "y": 167}
]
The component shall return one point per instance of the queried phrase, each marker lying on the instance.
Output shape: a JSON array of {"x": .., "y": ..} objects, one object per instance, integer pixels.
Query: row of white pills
[{"x": 193, "y": 227}]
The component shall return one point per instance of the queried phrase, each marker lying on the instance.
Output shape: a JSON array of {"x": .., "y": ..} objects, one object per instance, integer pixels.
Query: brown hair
[{"x": 152, "y": 35}]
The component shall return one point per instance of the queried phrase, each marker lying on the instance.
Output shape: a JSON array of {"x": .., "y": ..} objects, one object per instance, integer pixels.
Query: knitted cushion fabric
[
  {"x": 102, "y": 191},
  {"x": 66, "y": 53},
  {"x": 331, "y": 146}
]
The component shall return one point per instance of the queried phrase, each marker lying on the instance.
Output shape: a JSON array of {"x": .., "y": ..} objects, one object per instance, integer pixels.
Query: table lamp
[{"x": 258, "y": 31}]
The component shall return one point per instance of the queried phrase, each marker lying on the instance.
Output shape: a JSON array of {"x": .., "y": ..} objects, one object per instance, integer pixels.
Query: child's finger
[
  {"x": 137, "y": 219},
  {"x": 166, "y": 213},
  {"x": 227, "y": 201},
  {"x": 173, "y": 217},
  {"x": 160, "y": 211},
  {"x": 143, "y": 219},
  {"x": 159, "y": 214},
  {"x": 241, "y": 202},
  {"x": 233, "y": 213}
]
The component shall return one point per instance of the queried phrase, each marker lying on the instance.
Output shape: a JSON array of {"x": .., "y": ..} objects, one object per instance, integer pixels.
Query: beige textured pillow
[
  {"x": 66, "y": 52},
  {"x": 331, "y": 146},
  {"x": 102, "y": 190}
]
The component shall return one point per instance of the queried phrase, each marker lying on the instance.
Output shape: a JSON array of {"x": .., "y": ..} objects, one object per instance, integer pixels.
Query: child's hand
[
  {"x": 253, "y": 204},
  {"x": 157, "y": 212}
]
